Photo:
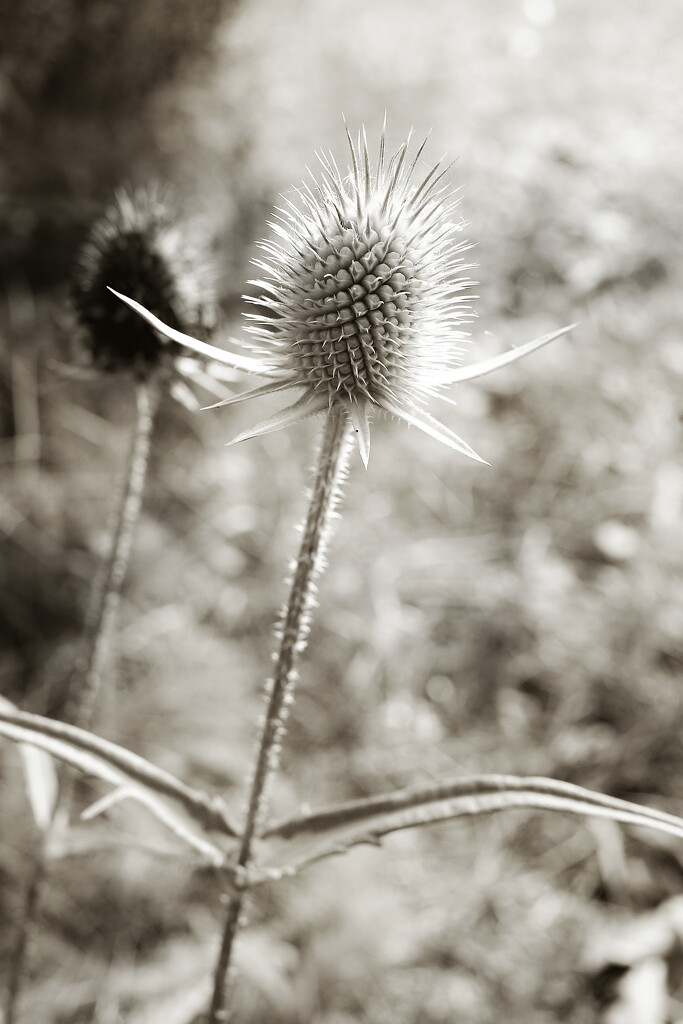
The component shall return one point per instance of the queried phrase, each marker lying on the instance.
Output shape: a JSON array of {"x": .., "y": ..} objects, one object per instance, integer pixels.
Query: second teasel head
[{"x": 140, "y": 246}]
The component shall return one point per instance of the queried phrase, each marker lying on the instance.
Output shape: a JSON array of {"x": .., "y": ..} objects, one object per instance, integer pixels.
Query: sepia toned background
[{"x": 523, "y": 618}]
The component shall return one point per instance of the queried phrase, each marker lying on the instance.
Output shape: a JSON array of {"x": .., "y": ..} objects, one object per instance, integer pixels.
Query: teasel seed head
[
  {"x": 140, "y": 246},
  {"x": 364, "y": 291}
]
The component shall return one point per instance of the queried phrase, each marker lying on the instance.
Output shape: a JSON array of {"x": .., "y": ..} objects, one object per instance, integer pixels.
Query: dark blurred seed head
[{"x": 141, "y": 248}]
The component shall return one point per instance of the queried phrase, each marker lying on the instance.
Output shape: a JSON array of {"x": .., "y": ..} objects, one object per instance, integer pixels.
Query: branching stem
[{"x": 279, "y": 694}]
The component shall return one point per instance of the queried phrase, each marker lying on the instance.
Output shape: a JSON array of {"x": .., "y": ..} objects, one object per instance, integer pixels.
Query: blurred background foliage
[{"x": 524, "y": 618}]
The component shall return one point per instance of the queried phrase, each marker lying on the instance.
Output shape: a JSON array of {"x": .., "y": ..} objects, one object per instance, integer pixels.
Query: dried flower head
[
  {"x": 139, "y": 248},
  {"x": 363, "y": 294},
  {"x": 363, "y": 298}
]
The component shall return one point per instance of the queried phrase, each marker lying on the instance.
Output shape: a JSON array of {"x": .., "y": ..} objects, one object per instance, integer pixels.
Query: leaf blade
[
  {"x": 42, "y": 788},
  {"x": 111, "y": 763},
  {"x": 335, "y": 829},
  {"x": 486, "y": 366}
]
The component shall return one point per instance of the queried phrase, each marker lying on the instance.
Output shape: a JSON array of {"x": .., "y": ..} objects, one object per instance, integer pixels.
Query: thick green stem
[
  {"x": 324, "y": 496},
  {"x": 87, "y": 680}
]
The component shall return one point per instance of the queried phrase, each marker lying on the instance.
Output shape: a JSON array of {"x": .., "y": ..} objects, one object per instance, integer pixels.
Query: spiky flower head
[
  {"x": 363, "y": 293},
  {"x": 363, "y": 298},
  {"x": 139, "y": 247}
]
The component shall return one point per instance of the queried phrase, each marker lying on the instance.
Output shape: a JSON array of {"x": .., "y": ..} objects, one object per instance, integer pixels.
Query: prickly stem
[
  {"x": 325, "y": 494},
  {"x": 107, "y": 590}
]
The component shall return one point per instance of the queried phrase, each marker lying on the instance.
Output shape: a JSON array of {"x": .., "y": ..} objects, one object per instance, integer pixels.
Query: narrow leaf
[
  {"x": 115, "y": 764},
  {"x": 40, "y": 776},
  {"x": 311, "y": 836},
  {"x": 496, "y": 362},
  {"x": 304, "y": 407},
  {"x": 265, "y": 389},
  {"x": 41, "y": 784},
  {"x": 421, "y": 419},
  {"x": 91, "y": 764},
  {"x": 233, "y": 359}
]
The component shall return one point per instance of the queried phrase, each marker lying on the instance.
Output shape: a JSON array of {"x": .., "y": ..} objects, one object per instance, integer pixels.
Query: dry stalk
[
  {"x": 325, "y": 494},
  {"x": 87, "y": 681}
]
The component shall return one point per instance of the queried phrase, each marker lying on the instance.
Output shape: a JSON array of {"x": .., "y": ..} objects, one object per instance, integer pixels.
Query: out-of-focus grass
[{"x": 524, "y": 618}]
